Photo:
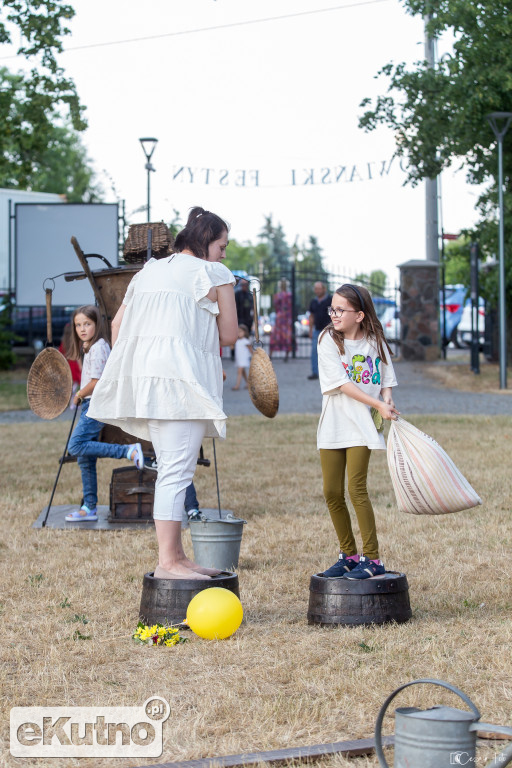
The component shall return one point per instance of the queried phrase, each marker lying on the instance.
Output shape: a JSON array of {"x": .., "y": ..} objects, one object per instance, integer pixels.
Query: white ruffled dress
[{"x": 165, "y": 363}]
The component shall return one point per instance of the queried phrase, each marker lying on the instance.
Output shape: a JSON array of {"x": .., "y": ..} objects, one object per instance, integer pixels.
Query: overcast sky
[{"x": 270, "y": 107}]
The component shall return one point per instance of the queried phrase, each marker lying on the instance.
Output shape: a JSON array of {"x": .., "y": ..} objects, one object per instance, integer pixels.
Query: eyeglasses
[{"x": 338, "y": 312}]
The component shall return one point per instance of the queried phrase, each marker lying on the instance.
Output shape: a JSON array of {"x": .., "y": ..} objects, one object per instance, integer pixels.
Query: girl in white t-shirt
[
  {"x": 89, "y": 344},
  {"x": 243, "y": 352},
  {"x": 355, "y": 371}
]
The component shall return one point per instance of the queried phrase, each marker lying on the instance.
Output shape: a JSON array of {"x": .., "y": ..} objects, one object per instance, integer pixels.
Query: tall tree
[
  {"x": 439, "y": 115},
  {"x": 41, "y": 26},
  {"x": 375, "y": 281},
  {"x": 246, "y": 257},
  {"x": 309, "y": 270},
  {"x": 278, "y": 249},
  {"x": 40, "y": 113}
]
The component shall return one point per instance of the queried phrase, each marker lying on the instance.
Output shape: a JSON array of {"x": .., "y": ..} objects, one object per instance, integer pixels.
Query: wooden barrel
[
  {"x": 165, "y": 601},
  {"x": 378, "y": 600}
]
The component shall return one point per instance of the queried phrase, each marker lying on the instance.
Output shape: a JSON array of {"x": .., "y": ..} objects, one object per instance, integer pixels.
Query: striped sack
[{"x": 425, "y": 479}]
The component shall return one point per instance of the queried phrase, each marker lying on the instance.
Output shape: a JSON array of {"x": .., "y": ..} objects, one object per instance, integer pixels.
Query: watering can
[{"x": 439, "y": 737}]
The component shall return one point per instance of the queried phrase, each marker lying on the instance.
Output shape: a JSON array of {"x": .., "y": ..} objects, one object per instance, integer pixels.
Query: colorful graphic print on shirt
[{"x": 361, "y": 374}]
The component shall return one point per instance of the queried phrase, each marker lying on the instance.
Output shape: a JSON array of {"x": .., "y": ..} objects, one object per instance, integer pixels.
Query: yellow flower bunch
[{"x": 157, "y": 634}]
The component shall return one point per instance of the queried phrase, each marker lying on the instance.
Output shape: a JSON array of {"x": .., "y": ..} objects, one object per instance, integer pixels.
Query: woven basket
[
  {"x": 136, "y": 245},
  {"x": 49, "y": 384},
  {"x": 263, "y": 387}
]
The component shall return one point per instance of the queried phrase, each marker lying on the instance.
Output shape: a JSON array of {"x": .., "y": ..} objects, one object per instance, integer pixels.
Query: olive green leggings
[{"x": 355, "y": 461}]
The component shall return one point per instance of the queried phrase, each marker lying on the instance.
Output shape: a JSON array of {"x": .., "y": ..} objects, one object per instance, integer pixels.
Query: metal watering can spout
[{"x": 439, "y": 737}]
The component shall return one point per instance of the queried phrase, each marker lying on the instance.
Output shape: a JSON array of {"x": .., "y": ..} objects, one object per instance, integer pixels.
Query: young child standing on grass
[
  {"x": 355, "y": 371},
  {"x": 243, "y": 352},
  {"x": 88, "y": 342}
]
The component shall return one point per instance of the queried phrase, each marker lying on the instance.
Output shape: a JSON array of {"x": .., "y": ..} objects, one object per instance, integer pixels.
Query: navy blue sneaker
[
  {"x": 366, "y": 569},
  {"x": 342, "y": 566}
]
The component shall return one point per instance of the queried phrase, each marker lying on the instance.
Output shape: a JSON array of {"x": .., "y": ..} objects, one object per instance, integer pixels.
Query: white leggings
[{"x": 176, "y": 445}]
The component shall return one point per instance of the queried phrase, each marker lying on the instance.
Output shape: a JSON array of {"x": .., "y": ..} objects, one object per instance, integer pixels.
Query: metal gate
[{"x": 300, "y": 285}]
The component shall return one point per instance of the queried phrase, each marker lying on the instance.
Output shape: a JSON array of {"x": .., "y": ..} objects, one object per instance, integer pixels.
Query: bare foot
[
  {"x": 235, "y": 389},
  {"x": 200, "y": 568},
  {"x": 206, "y": 571},
  {"x": 178, "y": 572}
]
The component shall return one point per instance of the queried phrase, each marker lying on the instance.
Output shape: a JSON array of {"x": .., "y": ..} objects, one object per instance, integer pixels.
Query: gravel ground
[{"x": 297, "y": 394}]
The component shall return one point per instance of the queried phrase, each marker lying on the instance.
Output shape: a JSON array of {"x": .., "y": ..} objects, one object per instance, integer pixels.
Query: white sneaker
[{"x": 134, "y": 453}]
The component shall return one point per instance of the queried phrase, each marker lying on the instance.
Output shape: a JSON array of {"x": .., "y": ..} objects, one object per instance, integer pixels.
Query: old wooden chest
[{"x": 132, "y": 493}]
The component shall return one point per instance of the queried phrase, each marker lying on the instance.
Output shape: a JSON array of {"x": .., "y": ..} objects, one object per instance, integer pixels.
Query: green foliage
[
  {"x": 175, "y": 225},
  {"x": 246, "y": 256},
  {"x": 41, "y": 25},
  {"x": 35, "y": 579},
  {"x": 439, "y": 115},
  {"x": 278, "y": 250},
  {"x": 40, "y": 113},
  {"x": 456, "y": 255},
  {"x": 309, "y": 270},
  {"x": 375, "y": 281},
  {"x": 39, "y": 150}
]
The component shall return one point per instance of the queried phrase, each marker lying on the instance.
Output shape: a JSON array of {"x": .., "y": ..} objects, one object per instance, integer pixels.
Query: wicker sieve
[
  {"x": 263, "y": 387},
  {"x": 49, "y": 382}
]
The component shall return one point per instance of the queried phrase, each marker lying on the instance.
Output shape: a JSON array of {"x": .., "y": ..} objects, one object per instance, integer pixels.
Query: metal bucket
[{"x": 217, "y": 542}]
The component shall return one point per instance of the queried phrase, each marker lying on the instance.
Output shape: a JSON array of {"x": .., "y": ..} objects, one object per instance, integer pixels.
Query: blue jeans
[
  {"x": 191, "y": 501},
  {"x": 84, "y": 444},
  {"x": 314, "y": 352}
]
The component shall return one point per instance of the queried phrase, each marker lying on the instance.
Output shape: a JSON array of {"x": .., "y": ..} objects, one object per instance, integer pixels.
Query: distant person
[
  {"x": 318, "y": 320},
  {"x": 244, "y": 305},
  {"x": 243, "y": 352},
  {"x": 281, "y": 334}
]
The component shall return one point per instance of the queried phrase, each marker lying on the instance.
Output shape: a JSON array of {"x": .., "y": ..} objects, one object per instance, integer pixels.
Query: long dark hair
[
  {"x": 360, "y": 299},
  {"x": 201, "y": 229},
  {"x": 75, "y": 349}
]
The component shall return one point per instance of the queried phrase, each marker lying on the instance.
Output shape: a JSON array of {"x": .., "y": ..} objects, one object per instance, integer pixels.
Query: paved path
[{"x": 415, "y": 394}]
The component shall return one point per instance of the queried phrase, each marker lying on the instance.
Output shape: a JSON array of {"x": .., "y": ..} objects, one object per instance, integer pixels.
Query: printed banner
[{"x": 251, "y": 178}]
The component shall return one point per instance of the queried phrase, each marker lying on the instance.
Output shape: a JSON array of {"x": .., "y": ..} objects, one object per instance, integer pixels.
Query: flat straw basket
[
  {"x": 49, "y": 384},
  {"x": 136, "y": 245},
  {"x": 263, "y": 387}
]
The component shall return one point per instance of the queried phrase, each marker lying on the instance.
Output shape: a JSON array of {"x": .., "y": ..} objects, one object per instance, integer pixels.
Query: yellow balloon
[{"x": 214, "y": 613}]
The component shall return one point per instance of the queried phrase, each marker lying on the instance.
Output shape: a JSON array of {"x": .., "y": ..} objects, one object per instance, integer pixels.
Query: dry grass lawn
[
  {"x": 458, "y": 375},
  {"x": 277, "y": 682}
]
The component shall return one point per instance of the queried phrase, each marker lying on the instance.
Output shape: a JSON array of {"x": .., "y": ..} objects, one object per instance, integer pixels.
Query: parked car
[
  {"x": 455, "y": 300},
  {"x": 464, "y": 326},
  {"x": 302, "y": 325},
  {"x": 455, "y": 306},
  {"x": 391, "y": 323},
  {"x": 29, "y": 325}
]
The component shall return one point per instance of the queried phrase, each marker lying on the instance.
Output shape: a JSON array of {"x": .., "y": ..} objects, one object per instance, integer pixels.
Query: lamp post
[
  {"x": 148, "y": 147},
  {"x": 495, "y": 119}
]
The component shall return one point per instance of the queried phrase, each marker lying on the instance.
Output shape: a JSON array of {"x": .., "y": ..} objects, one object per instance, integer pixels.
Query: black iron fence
[{"x": 299, "y": 284}]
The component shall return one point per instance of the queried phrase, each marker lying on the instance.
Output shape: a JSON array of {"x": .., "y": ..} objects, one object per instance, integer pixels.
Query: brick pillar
[{"x": 419, "y": 310}]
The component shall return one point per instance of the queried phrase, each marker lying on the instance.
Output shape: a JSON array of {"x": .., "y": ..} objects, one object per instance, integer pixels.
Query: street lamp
[
  {"x": 148, "y": 147},
  {"x": 505, "y": 118}
]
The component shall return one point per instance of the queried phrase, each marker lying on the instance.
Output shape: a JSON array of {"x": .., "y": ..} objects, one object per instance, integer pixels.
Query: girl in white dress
[
  {"x": 243, "y": 352},
  {"x": 163, "y": 379}
]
